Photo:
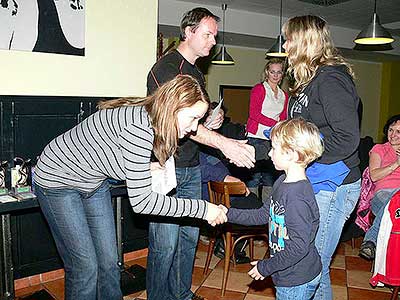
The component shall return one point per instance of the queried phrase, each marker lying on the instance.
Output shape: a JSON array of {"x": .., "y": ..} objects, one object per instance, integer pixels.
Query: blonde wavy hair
[
  {"x": 163, "y": 106},
  {"x": 300, "y": 136},
  {"x": 311, "y": 46}
]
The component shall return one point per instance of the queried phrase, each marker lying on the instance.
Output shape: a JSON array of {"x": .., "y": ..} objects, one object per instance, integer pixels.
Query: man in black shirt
[{"x": 172, "y": 245}]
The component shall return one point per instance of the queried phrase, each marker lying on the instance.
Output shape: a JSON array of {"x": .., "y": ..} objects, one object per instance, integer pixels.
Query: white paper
[
  {"x": 214, "y": 114},
  {"x": 164, "y": 179}
]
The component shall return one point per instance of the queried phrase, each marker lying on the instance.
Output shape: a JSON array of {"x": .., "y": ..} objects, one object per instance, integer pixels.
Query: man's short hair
[
  {"x": 300, "y": 136},
  {"x": 193, "y": 17}
]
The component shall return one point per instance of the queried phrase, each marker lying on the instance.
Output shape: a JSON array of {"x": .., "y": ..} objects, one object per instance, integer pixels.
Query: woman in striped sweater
[{"x": 115, "y": 142}]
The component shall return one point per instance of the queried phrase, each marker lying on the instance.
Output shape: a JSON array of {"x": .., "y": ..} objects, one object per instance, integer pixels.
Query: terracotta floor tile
[
  {"x": 200, "y": 260},
  {"x": 22, "y": 283},
  {"x": 340, "y": 249},
  {"x": 349, "y": 251},
  {"x": 262, "y": 287},
  {"x": 198, "y": 277},
  {"x": 138, "y": 261},
  {"x": 55, "y": 288},
  {"x": 28, "y": 290},
  {"x": 242, "y": 268},
  {"x": 359, "y": 294},
  {"x": 257, "y": 297},
  {"x": 338, "y": 277},
  {"x": 360, "y": 280},
  {"x": 358, "y": 263},
  {"x": 238, "y": 282},
  {"x": 339, "y": 292},
  {"x": 338, "y": 262},
  {"x": 215, "y": 294}
]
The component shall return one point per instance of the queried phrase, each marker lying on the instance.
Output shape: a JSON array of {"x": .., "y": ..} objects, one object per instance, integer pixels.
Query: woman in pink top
[
  {"x": 384, "y": 162},
  {"x": 268, "y": 105}
]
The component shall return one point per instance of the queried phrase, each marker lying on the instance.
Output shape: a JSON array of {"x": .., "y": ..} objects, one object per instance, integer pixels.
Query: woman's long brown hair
[{"x": 163, "y": 106}]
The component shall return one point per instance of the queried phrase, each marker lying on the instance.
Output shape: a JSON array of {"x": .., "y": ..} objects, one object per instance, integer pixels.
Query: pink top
[
  {"x": 388, "y": 156},
  {"x": 256, "y": 115}
]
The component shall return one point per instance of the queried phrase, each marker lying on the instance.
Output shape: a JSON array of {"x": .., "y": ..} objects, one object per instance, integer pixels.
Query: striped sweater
[{"x": 111, "y": 143}]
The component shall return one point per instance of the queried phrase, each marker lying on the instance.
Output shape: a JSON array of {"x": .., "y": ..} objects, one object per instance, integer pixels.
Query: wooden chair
[{"x": 219, "y": 193}]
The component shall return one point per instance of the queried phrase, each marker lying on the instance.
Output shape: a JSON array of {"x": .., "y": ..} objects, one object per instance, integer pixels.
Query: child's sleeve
[
  {"x": 258, "y": 216},
  {"x": 299, "y": 222}
]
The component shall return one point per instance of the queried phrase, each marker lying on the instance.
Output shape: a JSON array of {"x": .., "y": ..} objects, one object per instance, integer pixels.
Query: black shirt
[
  {"x": 164, "y": 70},
  {"x": 330, "y": 101}
]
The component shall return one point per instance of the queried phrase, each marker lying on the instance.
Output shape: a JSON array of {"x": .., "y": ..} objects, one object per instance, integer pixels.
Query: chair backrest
[{"x": 219, "y": 192}]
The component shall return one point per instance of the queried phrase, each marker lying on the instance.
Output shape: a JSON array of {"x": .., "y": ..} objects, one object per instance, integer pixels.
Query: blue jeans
[
  {"x": 334, "y": 209},
  {"x": 378, "y": 204},
  {"x": 172, "y": 246},
  {"x": 300, "y": 292},
  {"x": 83, "y": 228},
  {"x": 263, "y": 173}
]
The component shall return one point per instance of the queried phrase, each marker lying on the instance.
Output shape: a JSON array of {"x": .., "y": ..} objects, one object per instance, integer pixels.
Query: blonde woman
[
  {"x": 117, "y": 142},
  {"x": 324, "y": 94},
  {"x": 268, "y": 105}
]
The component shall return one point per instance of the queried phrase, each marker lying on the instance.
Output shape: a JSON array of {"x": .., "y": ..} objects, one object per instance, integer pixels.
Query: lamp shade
[
  {"x": 222, "y": 58},
  {"x": 277, "y": 48},
  {"x": 374, "y": 34}
]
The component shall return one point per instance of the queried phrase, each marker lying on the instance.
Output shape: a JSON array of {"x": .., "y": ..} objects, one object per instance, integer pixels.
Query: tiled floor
[{"x": 350, "y": 275}]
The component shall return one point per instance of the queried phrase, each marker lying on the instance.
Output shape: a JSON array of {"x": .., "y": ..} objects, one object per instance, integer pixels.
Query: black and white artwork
[{"x": 52, "y": 26}]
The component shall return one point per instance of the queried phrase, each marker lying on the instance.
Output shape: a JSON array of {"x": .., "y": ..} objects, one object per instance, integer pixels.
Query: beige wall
[
  {"x": 120, "y": 49},
  {"x": 249, "y": 64},
  {"x": 368, "y": 83}
]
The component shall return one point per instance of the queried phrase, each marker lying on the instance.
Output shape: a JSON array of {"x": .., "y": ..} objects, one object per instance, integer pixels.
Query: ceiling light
[
  {"x": 277, "y": 48},
  {"x": 223, "y": 57},
  {"x": 374, "y": 33}
]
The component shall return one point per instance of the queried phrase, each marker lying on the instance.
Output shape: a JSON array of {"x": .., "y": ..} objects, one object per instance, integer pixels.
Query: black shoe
[
  {"x": 242, "y": 259},
  {"x": 367, "y": 250},
  {"x": 219, "y": 251}
]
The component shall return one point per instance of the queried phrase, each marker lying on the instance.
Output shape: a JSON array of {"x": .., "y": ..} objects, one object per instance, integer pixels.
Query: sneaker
[{"x": 367, "y": 250}]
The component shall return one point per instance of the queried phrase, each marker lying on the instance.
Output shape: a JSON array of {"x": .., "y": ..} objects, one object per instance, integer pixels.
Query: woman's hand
[
  {"x": 254, "y": 272},
  {"x": 216, "y": 214}
]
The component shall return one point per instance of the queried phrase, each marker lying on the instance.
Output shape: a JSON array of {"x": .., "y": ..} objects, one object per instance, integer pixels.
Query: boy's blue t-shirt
[{"x": 293, "y": 217}]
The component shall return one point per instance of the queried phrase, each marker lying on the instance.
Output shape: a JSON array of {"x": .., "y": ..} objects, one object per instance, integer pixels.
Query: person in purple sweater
[{"x": 292, "y": 214}]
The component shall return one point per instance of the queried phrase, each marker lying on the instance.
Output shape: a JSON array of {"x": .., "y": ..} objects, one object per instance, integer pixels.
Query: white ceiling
[{"x": 355, "y": 14}]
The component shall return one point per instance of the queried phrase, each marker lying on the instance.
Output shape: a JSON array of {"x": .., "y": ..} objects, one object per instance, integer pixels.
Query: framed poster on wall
[{"x": 52, "y": 26}]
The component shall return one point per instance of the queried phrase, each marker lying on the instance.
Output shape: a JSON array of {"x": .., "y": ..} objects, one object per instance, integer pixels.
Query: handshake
[{"x": 216, "y": 214}]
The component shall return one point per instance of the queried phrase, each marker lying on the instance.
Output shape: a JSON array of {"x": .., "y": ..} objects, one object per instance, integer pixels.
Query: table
[{"x": 6, "y": 264}]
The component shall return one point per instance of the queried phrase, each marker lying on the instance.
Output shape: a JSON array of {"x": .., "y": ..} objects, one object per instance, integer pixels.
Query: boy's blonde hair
[{"x": 300, "y": 136}]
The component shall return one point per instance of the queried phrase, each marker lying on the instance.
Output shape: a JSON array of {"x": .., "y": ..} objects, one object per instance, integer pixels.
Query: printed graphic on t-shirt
[
  {"x": 277, "y": 228},
  {"x": 298, "y": 105}
]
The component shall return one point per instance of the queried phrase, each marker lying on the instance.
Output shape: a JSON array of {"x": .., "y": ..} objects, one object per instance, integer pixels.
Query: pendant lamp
[
  {"x": 277, "y": 48},
  {"x": 374, "y": 33},
  {"x": 223, "y": 57}
]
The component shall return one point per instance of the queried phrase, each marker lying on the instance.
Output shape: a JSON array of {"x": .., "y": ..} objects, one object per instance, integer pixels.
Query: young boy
[{"x": 292, "y": 214}]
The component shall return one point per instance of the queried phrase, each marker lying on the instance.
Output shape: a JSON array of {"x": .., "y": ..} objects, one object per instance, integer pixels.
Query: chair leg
[
  {"x": 251, "y": 248},
  {"x": 228, "y": 251},
  {"x": 395, "y": 293},
  {"x": 209, "y": 255}
]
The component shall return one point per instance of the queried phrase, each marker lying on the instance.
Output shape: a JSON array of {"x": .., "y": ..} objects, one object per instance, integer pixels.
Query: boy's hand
[{"x": 254, "y": 272}]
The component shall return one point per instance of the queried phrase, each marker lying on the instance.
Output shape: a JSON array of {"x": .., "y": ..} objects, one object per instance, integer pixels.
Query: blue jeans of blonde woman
[
  {"x": 83, "y": 228},
  {"x": 300, "y": 292},
  {"x": 172, "y": 246},
  {"x": 334, "y": 209}
]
